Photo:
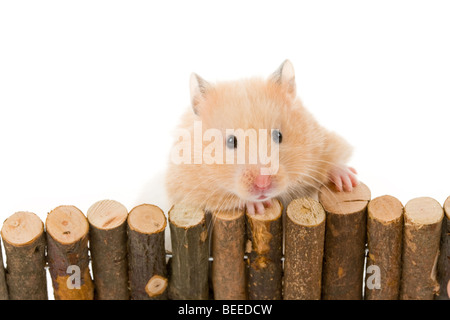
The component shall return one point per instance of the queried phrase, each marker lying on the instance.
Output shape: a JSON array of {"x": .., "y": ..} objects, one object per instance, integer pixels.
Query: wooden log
[
  {"x": 421, "y": 240},
  {"x": 345, "y": 240},
  {"x": 156, "y": 287},
  {"x": 228, "y": 275},
  {"x": 384, "y": 242},
  {"x": 24, "y": 241},
  {"x": 146, "y": 252},
  {"x": 190, "y": 254},
  {"x": 304, "y": 245},
  {"x": 444, "y": 257},
  {"x": 3, "y": 287},
  {"x": 67, "y": 253},
  {"x": 108, "y": 246},
  {"x": 265, "y": 239}
]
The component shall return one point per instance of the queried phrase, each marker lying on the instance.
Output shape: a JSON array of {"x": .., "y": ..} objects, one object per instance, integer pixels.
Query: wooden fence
[{"x": 344, "y": 246}]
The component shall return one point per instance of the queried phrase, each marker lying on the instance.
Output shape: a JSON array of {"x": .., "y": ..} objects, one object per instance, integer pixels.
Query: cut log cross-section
[
  {"x": 68, "y": 259},
  {"x": 265, "y": 235},
  {"x": 304, "y": 245},
  {"x": 24, "y": 241},
  {"x": 146, "y": 253},
  {"x": 108, "y": 246},
  {"x": 190, "y": 254},
  {"x": 345, "y": 240},
  {"x": 384, "y": 242},
  {"x": 421, "y": 240}
]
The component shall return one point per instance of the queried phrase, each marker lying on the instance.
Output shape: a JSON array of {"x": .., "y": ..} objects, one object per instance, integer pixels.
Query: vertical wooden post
[
  {"x": 345, "y": 240},
  {"x": 3, "y": 287},
  {"x": 228, "y": 248},
  {"x": 421, "y": 239},
  {"x": 68, "y": 260},
  {"x": 108, "y": 246},
  {"x": 24, "y": 240},
  {"x": 146, "y": 253},
  {"x": 304, "y": 244},
  {"x": 265, "y": 235},
  {"x": 190, "y": 254},
  {"x": 444, "y": 258},
  {"x": 384, "y": 242}
]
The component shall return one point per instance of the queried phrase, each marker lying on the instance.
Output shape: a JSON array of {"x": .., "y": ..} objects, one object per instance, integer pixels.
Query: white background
[{"x": 90, "y": 91}]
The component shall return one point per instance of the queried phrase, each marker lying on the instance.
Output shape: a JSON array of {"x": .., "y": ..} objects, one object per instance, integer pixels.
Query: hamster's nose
[{"x": 262, "y": 182}]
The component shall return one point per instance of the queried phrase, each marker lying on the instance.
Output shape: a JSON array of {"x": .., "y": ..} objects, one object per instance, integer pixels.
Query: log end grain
[
  {"x": 423, "y": 211},
  {"x": 22, "y": 228},
  {"x": 385, "y": 209},
  {"x": 186, "y": 217},
  {"x": 340, "y": 202},
  {"x": 67, "y": 224},
  {"x": 107, "y": 214},
  {"x": 306, "y": 212},
  {"x": 271, "y": 213},
  {"x": 156, "y": 286},
  {"x": 147, "y": 219},
  {"x": 228, "y": 215}
]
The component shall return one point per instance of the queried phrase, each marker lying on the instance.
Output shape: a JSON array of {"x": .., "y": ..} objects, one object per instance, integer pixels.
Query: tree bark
[
  {"x": 265, "y": 235},
  {"x": 228, "y": 249},
  {"x": 345, "y": 240},
  {"x": 3, "y": 287},
  {"x": 190, "y": 254},
  {"x": 444, "y": 258},
  {"x": 67, "y": 252},
  {"x": 108, "y": 246},
  {"x": 384, "y": 242},
  {"x": 421, "y": 240},
  {"x": 304, "y": 246},
  {"x": 146, "y": 251},
  {"x": 24, "y": 241}
]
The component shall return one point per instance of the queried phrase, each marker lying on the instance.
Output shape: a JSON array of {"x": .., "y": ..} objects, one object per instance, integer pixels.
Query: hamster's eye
[
  {"x": 276, "y": 136},
  {"x": 231, "y": 142}
]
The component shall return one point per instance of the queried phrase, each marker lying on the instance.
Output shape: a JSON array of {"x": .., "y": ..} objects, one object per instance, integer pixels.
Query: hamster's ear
[
  {"x": 198, "y": 87},
  {"x": 285, "y": 76}
]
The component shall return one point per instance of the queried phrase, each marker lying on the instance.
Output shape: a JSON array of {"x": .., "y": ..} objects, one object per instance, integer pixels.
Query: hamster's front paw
[
  {"x": 343, "y": 177},
  {"x": 257, "y": 207}
]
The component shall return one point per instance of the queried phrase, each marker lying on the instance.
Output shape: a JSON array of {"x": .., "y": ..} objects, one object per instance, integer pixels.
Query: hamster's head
[{"x": 257, "y": 140}]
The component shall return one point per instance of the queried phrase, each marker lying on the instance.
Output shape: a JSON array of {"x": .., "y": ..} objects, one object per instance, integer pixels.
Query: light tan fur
[{"x": 307, "y": 154}]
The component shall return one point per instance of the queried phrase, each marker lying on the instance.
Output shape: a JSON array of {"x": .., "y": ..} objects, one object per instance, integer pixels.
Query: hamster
[{"x": 308, "y": 154}]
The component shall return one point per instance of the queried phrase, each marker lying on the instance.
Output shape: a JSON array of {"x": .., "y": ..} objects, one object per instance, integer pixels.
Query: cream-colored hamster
[{"x": 308, "y": 155}]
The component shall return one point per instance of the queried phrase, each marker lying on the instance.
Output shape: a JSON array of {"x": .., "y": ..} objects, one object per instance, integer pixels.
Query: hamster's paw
[
  {"x": 257, "y": 207},
  {"x": 343, "y": 177}
]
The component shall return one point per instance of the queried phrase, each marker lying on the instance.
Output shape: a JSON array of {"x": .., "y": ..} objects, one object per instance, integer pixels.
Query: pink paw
[
  {"x": 343, "y": 177},
  {"x": 257, "y": 207}
]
